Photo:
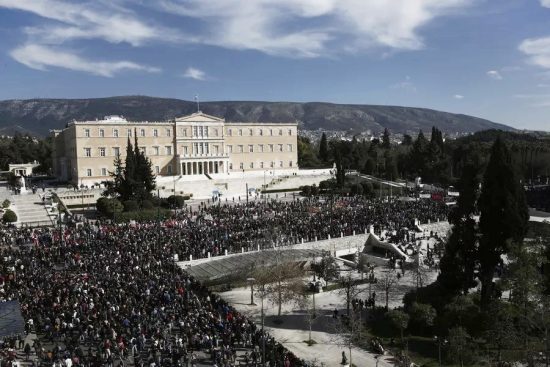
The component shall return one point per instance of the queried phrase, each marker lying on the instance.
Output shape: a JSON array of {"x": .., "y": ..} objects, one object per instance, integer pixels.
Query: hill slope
[{"x": 41, "y": 115}]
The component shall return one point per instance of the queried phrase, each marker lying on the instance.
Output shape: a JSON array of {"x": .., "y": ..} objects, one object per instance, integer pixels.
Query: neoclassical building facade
[{"x": 198, "y": 144}]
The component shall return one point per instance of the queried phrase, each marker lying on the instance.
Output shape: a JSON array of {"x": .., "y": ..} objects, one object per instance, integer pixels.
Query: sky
[{"x": 487, "y": 58}]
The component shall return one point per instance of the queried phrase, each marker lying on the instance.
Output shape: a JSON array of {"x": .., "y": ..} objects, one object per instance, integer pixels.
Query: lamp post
[
  {"x": 439, "y": 342},
  {"x": 251, "y": 282}
]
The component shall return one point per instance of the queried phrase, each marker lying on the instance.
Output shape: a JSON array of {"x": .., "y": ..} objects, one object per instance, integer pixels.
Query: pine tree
[
  {"x": 386, "y": 139},
  {"x": 323, "y": 149},
  {"x": 504, "y": 215}
]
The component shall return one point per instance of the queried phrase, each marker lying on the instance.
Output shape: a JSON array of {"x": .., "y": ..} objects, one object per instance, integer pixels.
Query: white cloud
[
  {"x": 538, "y": 50},
  {"x": 458, "y": 96},
  {"x": 41, "y": 57},
  {"x": 311, "y": 28},
  {"x": 194, "y": 73},
  {"x": 494, "y": 74},
  {"x": 406, "y": 85},
  {"x": 545, "y": 3}
]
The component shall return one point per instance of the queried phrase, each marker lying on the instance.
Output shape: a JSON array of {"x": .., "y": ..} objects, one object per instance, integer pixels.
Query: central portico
[{"x": 200, "y": 145}]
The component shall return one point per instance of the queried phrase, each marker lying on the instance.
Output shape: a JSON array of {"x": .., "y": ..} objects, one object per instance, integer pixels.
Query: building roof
[{"x": 199, "y": 117}]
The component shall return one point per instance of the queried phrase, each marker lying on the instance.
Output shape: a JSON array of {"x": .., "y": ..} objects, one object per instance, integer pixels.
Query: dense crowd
[{"x": 109, "y": 295}]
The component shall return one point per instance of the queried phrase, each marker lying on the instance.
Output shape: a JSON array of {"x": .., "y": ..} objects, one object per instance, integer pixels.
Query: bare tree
[
  {"x": 348, "y": 332},
  {"x": 350, "y": 290},
  {"x": 305, "y": 303},
  {"x": 420, "y": 273},
  {"x": 388, "y": 281},
  {"x": 326, "y": 268}
]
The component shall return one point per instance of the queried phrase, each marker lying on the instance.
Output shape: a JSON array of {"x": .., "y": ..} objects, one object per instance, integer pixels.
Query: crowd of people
[{"x": 107, "y": 294}]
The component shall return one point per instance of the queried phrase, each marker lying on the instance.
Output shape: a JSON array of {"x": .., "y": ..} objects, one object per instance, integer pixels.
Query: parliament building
[{"x": 198, "y": 144}]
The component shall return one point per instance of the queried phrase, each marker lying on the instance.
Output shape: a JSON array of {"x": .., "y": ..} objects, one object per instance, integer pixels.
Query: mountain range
[{"x": 38, "y": 116}]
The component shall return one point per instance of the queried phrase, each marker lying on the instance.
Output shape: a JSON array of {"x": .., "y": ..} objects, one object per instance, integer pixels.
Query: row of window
[
  {"x": 116, "y": 134},
  {"x": 198, "y": 131},
  {"x": 250, "y": 149},
  {"x": 105, "y": 172},
  {"x": 102, "y": 152},
  {"x": 197, "y": 148},
  {"x": 271, "y": 164}
]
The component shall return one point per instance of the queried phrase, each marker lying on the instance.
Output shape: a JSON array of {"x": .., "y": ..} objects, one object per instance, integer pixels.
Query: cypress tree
[
  {"x": 504, "y": 215},
  {"x": 323, "y": 149},
  {"x": 127, "y": 189},
  {"x": 386, "y": 139}
]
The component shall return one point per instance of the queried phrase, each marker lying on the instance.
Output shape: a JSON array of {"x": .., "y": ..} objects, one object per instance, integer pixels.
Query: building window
[
  {"x": 201, "y": 147},
  {"x": 168, "y": 150},
  {"x": 207, "y": 151},
  {"x": 184, "y": 132},
  {"x": 271, "y": 164},
  {"x": 261, "y": 148},
  {"x": 250, "y": 132},
  {"x": 240, "y": 148},
  {"x": 280, "y": 132},
  {"x": 101, "y": 133},
  {"x": 102, "y": 152},
  {"x": 201, "y": 131},
  {"x": 155, "y": 133},
  {"x": 215, "y": 132},
  {"x": 88, "y": 152},
  {"x": 142, "y": 132},
  {"x": 87, "y": 133},
  {"x": 206, "y": 131},
  {"x": 129, "y": 133},
  {"x": 229, "y": 132},
  {"x": 271, "y": 132},
  {"x": 281, "y": 164},
  {"x": 168, "y": 132},
  {"x": 290, "y": 163},
  {"x": 185, "y": 150},
  {"x": 261, "y": 164},
  {"x": 289, "y": 132},
  {"x": 252, "y": 165},
  {"x": 260, "y": 132},
  {"x": 240, "y": 132},
  {"x": 116, "y": 151},
  {"x": 115, "y": 133},
  {"x": 216, "y": 149},
  {"x": 89, "y": 172},
  {"x": 230, "y": 149},
  {"x": 104, "y": 172},
  {"x": 241, "y": 165},
  {"x": 230, "y": 165},
  {"x": 143, "y": 150},
  {"x": 251, "y": 148},
  {"x": 280, "y": 147},
  {"x": 289, "y": 147},
  {"x": 156, "y": 150},
  {"x": 157, "y": 170},
  {"x": 169, "y": 170},
  {"x": 271, "y": 148}
]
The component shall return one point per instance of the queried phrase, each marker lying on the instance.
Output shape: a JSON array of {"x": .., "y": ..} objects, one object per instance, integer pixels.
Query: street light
[
  {"x": 251, "y": 282},
  {"x": 439, "y": 342}
]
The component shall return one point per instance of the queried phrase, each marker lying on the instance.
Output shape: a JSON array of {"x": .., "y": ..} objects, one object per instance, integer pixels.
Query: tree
[
  {"x": 423, "y": 315},
  {"x": 458, "y": 264},
  {"x": 350, "y": 290},
  {"x": 503, "y": 218},
  {"x": 400, "y": 320},
  {"x": 388, "y": 281},
  {"x": 327, "y": 268},
  {"x": 386, "y": 139},
  {"x": 459, "y": 341},
  {"x": 323, "y": 149},
  {"x": 9, "y": 216},
  {"x": 407, "y": 140}
]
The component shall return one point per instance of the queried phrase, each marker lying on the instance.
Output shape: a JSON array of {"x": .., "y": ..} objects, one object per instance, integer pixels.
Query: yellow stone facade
[{"x": 198, "y": 144}]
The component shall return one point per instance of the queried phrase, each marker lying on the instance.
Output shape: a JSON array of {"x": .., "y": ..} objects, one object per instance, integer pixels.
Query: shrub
[
  {"x": 9, "y": 216},
  {"x": 130, "y": 206},
  {"x": 176, "y": 201},
  {"x": 357, "y": 189},
  {"x": 147, "y": 204},
  {"x": 6, "y": 204},
  {"x": 107, "y": 207}
]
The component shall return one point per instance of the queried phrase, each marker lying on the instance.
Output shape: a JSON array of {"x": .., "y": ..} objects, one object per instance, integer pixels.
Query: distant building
[{"x": 198, "y": 144}]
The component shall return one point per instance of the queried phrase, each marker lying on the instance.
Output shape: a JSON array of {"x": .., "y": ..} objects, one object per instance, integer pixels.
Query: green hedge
[
  {"x": 143, "y": 215},
  {"x": 6, "y": 203},
  {"x": 9, "y": 216}
]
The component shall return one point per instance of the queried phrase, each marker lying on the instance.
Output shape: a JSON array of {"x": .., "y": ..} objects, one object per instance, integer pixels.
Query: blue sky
[{"x": 488, "y": 58}]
